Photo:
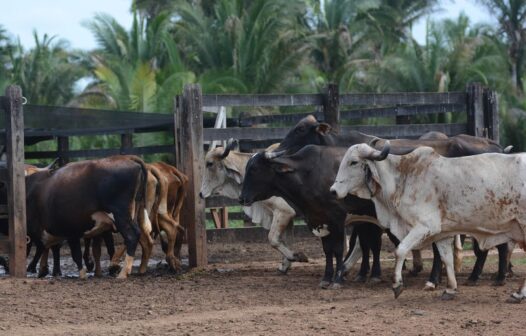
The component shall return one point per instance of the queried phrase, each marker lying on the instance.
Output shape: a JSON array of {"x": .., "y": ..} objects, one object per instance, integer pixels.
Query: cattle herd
[{"x": 427, "y": 191}]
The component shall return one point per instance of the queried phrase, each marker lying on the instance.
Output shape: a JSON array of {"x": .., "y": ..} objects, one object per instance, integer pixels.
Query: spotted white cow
[
  {"x": 423, "y": 197},
  {"x": 224, "y": 174}
]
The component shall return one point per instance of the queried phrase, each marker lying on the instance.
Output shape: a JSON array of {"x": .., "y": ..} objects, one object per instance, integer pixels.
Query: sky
[{"x": 64, "y": 18}]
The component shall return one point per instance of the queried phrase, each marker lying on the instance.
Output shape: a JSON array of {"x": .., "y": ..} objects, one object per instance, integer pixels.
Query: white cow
[
  {"x": 423, "y": 197},
  {"x": 224, "y": 174}
]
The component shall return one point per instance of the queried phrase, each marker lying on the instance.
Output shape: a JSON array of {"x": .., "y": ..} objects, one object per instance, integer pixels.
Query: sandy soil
[{"x": 241, "y": 293}]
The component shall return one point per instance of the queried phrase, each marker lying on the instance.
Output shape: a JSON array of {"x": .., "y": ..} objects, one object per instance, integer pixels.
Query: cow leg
[
  {"x": 519, "y": 295},
  {"x": 415, "y": 237},
  {"x": 96, "y": 248},
  {"x": 115, "y": 260},
  {"x": 39, "y": 248},
  {"x": 354, "y": 253},
  {"x": 479, "y": 264},
  {"x": 418, "y": 264},
  {"x": 131, "y": 235},
  {"x": 43, "y": 269},
  {"x": 458, "y": 247},
  {"x": 56, "y": 260},
  {"x": 436, "y": 270},
  {"x": 338, "y": 242},
  {"x": 376, "y": 247},
  {"x": 146, "y": 252},
  {"x": 108, "y": 241},
  {"x": 76, "y": 254},
  {"x": 170, "y": 228},
  {"x": 364, "y": 244},
  {"x": 511, "y": 247},
  {"x": 87, "y": 256},
  {"x": 444, "y": 248},
  {"x": 275, "y": 234},
  {"x": 503, "y": 265},
  {"x": 329, "y": 267}
]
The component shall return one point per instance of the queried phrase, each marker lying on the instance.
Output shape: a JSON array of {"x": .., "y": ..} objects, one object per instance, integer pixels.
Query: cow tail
[
  {"x": 160, "y": 191},
  {"x": 181, "y": 195},
  {"x": 140, "y": 195}
]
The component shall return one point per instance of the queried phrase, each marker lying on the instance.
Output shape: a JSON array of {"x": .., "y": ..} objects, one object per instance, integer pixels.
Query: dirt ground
[{"x": 240, "y": 292}]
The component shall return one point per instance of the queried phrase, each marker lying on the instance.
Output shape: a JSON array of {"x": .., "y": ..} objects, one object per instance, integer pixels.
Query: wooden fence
[{"x": 478, "y": 106}]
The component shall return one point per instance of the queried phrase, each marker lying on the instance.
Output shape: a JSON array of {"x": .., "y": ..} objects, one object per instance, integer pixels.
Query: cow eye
[
  {"x": 353, "y": 163},
  {"x": 209, "y": 164}
]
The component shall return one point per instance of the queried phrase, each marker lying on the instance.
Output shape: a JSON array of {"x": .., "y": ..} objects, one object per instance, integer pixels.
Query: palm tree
[
  {"x": 47, "y": 73},
  {"x": 140, "y": 70},
  {"x": 511, "y": 15},
  {"x": 241, "y": 45}
]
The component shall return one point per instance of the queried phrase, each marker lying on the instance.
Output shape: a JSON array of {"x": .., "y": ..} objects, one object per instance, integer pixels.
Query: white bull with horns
[{"x": 423, "y": 197}]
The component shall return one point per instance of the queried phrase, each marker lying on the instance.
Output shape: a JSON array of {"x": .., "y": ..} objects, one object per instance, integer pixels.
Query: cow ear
[
  {"x": 283, "y": 165},
  {"x": 323, "y": 128},
  {"x": 372, "y": 179},
  {"x": 235, "y": 175}
]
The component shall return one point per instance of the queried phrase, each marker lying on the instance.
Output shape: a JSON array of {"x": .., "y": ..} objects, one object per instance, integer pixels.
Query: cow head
[
  {"x": 221, "y": 172},
  {"x": 357, "y": 174},
  {"x": 308, "y": 131},
  {"x": 261, "y": 173}
]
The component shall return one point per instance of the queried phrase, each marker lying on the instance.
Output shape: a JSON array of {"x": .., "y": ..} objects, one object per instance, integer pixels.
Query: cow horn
[
  {"x": 52, "y": 165},
  {"x": 272, "y": 155},
  {"x": 373, "y": 142},
  {"x": 231, "y": 144},
  {"x": 507, "y": 149},
  {"x": 383, "y": 154}
]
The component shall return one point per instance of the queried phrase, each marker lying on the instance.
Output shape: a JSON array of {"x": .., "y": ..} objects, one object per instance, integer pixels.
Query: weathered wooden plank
[
  {"x": 393, "y": 111},
  {"x": 220, "y": 201},
  {"x": 63, "y": 148},
  {"x": 251, "y": 133},
  {"x": 407, "y": 130},
  {"x": 3, "y": 174},
  {"x": 16, "y": 186},
  {"x": 475, "y": 109},
  {"x": 491, "y": 114},
  {"x": 259, "y": 134},
  {"x": 189, "y": 126},
  {"x": 402, "y": 98},
  {"x": 292, "y": 118},
  {"x": 263, "y": 100},
  {"x": 4, "y": 245},
  {"x": 95, "y": 153},
  {"x": 331, "y": 107}
]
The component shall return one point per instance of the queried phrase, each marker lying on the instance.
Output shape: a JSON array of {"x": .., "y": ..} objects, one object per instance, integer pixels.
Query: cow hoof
[
  {"x": 90, "y": 266},
  {"x": 114, "y": 269},
  {"x": 375, "y": 280},
  {"x": 360, "y": 278},
  {"x": 446, "y": 296},
  {"x": 471, "y": 283},
  {"x": 515, "y": 298},
  {"x": 280, "y": 271},
  {"x": 32, "y": 269},
  {"x": 83, "y": 274},
  {"x": 324, "y": 284},
  {"x": 336, "y": 286},
  {"x": 300, "y": 257},
  {"x": 98, "y": 274},
  {"x": 429, "y": 286},
  {"x": 414, "y": 272},
  {"x": 43, "y": 272},
  {"x": 57, "y": 273},
  {"x": 398, "y": 290},
  {"x": 500, "y": 282}
]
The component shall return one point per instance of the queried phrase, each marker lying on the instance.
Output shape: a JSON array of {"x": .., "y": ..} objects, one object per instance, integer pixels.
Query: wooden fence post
[
  {"x": 126, "y": 143},
  {"x": 331, "y": 106},
  {"x": 474, "y": 108},
  {"x": 190, "y": 159},
  {"x": 63, "y": 148},
  {"x": 16, "y": 189},
  {"x": 491, "y": 114}
]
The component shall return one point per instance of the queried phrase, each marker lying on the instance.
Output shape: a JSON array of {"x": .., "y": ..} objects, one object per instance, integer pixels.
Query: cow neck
[{"x": 390, "y": 182}]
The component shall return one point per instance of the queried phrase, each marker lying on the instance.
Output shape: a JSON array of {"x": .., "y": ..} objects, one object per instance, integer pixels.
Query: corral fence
[
  {"x": 393, "y": 115},
  {"x": 188, "y": 133}
]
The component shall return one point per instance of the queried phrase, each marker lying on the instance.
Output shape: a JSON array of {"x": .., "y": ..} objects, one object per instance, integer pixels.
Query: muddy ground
[{"x": 240, "y": 293}]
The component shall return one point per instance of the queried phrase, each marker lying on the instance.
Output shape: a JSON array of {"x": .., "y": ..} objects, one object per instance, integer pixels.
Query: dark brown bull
[{"x": 61, "y": 202}]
